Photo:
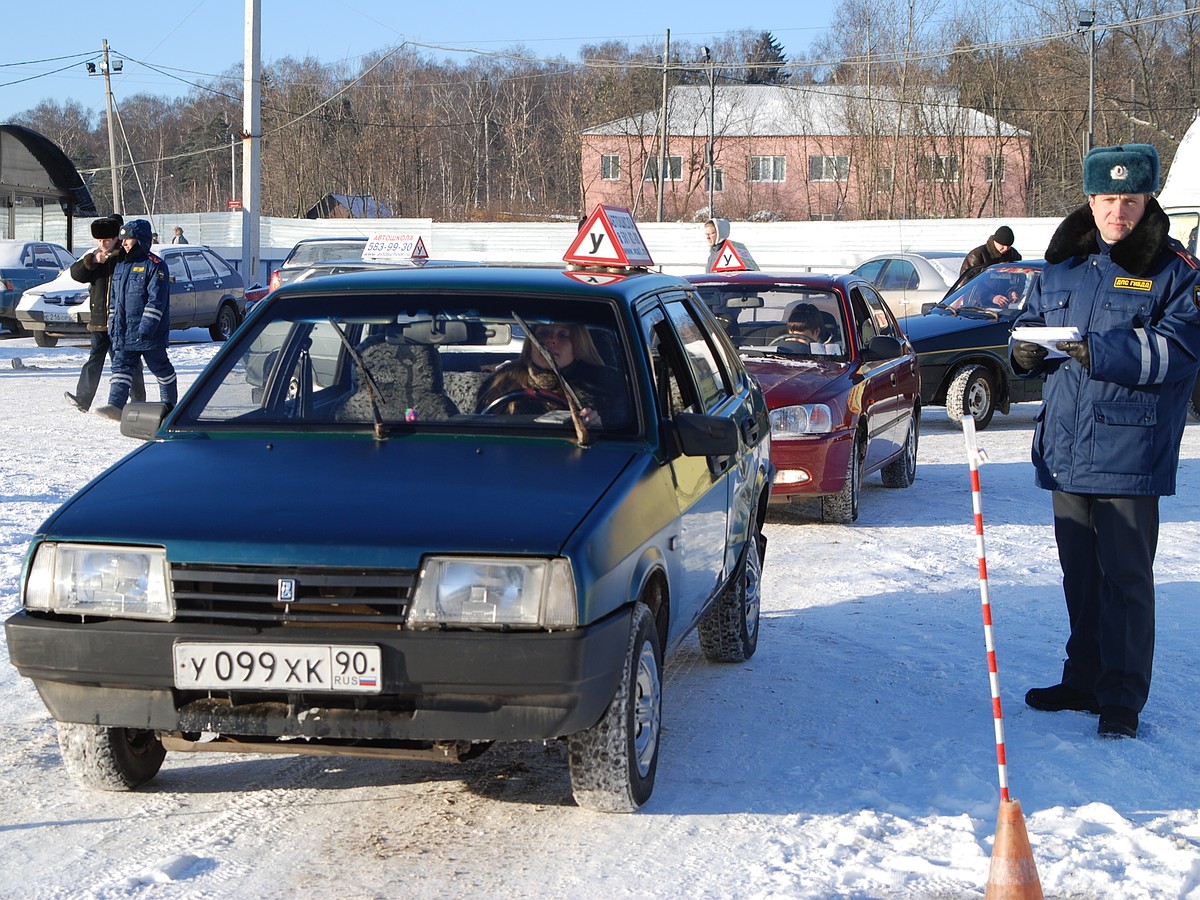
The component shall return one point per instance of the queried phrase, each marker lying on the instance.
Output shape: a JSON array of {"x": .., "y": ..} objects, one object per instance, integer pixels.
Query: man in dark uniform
[
  {"x": 998, "y": 248},
  {"x": 1107, "y": 439},
  {"x": 139, "y": 322}
]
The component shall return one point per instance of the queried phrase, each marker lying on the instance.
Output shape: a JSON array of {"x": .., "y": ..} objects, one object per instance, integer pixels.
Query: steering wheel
[{"x": 557, "y": 400}]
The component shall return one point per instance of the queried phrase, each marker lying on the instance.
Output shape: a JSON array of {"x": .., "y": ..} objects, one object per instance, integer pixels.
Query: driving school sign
[
  {"x": 609, "y": 237},
  {"x": 393, "y": 246}
]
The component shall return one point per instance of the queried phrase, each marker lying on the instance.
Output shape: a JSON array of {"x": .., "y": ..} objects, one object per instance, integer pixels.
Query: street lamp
[
  {"x": 107, "y": 67},
  {"x": 712, "y": 128},
  {"x": 1087, "y": 20}
]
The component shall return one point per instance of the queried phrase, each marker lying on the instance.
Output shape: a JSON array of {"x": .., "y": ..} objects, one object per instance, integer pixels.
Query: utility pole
[
  {"x": 251, "y": 141},
  {"x": 106, "y": 68},
  {"x": 712, "y": 129},
  {"x": 662, "y": 139}
]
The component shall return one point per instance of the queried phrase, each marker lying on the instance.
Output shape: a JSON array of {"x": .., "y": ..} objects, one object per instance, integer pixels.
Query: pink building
[{"x": 810, "y": 152}]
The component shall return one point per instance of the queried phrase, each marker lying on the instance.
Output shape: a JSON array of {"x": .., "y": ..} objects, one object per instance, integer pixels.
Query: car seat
[{"x": 408, "y": 376}]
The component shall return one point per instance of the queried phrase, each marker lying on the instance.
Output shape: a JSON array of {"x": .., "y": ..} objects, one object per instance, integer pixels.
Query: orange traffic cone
[{"x": 1013, "y": 875}]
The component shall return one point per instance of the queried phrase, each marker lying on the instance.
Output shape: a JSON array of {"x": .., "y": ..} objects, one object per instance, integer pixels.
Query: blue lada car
[{"x": 382, "y": 521}]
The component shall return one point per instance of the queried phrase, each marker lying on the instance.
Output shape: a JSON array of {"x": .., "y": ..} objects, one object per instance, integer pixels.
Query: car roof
[
  {"x": 815, "y": 280},
  {"x": 483, "y": 279},
  {"x": 12, "y": 248}
]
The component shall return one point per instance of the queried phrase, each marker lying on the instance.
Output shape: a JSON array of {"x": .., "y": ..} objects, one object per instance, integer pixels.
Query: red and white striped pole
[
  {"x": 1013, "y": 873},
  {"x": 975, "y": 457}
]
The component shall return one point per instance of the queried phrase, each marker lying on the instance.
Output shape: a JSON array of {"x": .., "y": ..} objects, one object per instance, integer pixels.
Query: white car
[
  {"x": 909, "y": 281},
  {"x": 206, "y": 292}
]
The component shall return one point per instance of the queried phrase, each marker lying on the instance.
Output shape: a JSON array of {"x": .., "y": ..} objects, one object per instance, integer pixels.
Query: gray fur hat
[{"x": 1130, "y": 169}]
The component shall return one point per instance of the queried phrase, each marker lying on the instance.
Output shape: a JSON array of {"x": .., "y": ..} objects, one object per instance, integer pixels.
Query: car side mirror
[
  {"x": 883, "y": 346},
  {"x": 926, "y": 307},
  {"x": 142, "y": 420},
  {"x": 701, "y": 435}
]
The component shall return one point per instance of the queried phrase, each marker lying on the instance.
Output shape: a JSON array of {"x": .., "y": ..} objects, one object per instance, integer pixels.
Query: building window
[
  {"x": 937, "y": 168},
  {"x": 884, "y": 179},
  {"x": 674, "y": 169},
  {"x": 767, "y": 168},
  {"x": 610, "y": 167},
  {"x": 829, "y": 168},
  {"x": 718, "y": 179},
  {"x": 993, "y": 168}
]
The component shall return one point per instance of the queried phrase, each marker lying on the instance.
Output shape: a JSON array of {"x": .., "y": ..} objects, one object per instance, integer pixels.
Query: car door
[
  {"x": 688, "y": 378},
  {"x": 183, "y": 295},
  {"x": 206, "y": 287},
  {"x": 889, "y": 386}
]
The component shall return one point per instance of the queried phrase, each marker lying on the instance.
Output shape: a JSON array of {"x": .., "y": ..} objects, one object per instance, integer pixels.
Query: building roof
[
  {"x": 758, "y": 110},
  {"x": 46, "y": 168}
]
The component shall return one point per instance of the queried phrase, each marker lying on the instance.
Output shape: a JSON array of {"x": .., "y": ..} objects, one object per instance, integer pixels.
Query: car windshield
[
  {"x": 757, "y": 319},
  {"x": 307, "y": 253},
  {"x": 395, "y": 363},
  {"x": 996, "y": 292}
]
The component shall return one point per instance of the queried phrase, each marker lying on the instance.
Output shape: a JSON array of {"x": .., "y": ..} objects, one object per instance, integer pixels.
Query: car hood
[
  {"x": 342, "y": 500},
  {"x": 63, "y": 287},
  {"x": 934, "y": 331},
  {"x": 787, "y": 382}
]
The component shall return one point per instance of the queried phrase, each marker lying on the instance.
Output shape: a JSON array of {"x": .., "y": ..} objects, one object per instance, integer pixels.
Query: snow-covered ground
[{"x": 854, "y": 756}]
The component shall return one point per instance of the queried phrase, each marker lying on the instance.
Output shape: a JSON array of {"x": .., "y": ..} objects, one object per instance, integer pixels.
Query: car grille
[{"x": 319, "y": 595}]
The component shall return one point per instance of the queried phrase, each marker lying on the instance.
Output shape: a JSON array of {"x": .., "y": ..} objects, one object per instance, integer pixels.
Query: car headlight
[
  {"x": 100, "y": 580},
  {"x": 482, "y": 592},
  {"x": 793, "y": 421}
]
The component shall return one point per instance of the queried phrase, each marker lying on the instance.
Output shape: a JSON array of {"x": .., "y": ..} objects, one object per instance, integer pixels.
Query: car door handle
[{"x": 750, "y": 431}]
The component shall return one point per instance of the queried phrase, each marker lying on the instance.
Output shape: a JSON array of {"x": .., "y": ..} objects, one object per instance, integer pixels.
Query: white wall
[{"x": 676, "y": 247}]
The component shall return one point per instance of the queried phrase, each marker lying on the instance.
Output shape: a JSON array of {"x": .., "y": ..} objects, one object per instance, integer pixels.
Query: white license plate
[
  {"x": 50, "y": 316},
  {"x": 278, "y": 667}
]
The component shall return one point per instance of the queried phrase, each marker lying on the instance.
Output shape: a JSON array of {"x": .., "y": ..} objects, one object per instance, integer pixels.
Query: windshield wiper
[{"x": 381, "y": 430}]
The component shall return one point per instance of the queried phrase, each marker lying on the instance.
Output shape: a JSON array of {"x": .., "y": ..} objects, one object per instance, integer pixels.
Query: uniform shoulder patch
[{"x": 1188, "y": 259}]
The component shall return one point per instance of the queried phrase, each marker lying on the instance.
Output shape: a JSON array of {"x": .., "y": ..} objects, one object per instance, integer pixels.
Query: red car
[{"x": 845, "y": 399}]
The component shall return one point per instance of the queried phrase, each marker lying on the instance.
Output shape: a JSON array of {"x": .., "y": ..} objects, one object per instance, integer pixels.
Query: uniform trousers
[
  {"x": 1106, "y": 547},
  {"x": 93, "y": 367},
  {"x": 126, "y": 362}
]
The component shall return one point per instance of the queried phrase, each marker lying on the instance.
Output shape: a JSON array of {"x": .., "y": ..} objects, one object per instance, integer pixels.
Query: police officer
[
  {"x": 1107, "y": 439},
  {"x": 139, "y": 320}
]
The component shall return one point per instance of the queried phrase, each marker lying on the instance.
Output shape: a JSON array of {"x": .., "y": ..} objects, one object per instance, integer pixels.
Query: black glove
[
  {"x": 1077, "y": 350},
  {"x": 1028, "y": 355}
]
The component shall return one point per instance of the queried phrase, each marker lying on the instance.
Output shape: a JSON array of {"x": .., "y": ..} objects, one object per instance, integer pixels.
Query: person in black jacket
[
  {"x": 94, "y": 269},
  {"x": 999, "y": 248},
  {"x": 528, "y": 386}
]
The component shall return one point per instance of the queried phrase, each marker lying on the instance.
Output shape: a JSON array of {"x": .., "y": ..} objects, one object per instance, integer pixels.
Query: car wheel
[
  {"x": 901, "y": 472},
  {"x": 972, "y": 391},
  {"x": 729, "y": 630},
  {"x": 842, "y": 508},
  {"x": 110, "y": 759},
  {"x": 613, "y": 763},
  {"x": 226, "y": 324},
  {"x": 41, "y": 339}
]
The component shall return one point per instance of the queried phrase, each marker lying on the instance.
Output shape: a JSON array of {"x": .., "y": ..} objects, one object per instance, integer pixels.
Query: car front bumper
[
  {"x": 436, "y": 685},
  {"x": 809, "y": 467}
]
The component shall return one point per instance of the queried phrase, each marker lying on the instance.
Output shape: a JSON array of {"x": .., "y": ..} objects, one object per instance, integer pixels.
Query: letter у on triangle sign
[
  {"x": 734, "y": 257},
  {"x": 609, "y": 237}
]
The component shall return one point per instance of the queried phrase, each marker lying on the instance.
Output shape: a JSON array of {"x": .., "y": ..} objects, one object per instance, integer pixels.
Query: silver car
[
  {"x": 909, "y": 281},
  {"x": 206, "y": 292}
]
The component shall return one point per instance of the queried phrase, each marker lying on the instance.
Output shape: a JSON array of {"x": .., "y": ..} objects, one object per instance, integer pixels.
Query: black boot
[{"x": 1060, "y": 697}]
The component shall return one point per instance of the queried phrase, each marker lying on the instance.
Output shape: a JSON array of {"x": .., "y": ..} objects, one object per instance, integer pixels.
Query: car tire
[
  {"x": 110, "y": 759},
  {"x": 901, "y": 472},
  {"x": 41, "y": 339},
  {"x": 729, "y": 629},
  {"x": 842, "y": 508},
  {"x": 972, "y": 390},
  {"x": 613, "y": 763},
  {"x": 226, "y": 322}
]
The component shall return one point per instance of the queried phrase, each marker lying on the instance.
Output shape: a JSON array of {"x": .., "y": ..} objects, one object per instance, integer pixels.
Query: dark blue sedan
[{"x": 360, "y": 533}]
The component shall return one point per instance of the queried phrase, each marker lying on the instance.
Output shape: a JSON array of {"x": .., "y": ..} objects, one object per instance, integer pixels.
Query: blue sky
[{"x": 165, "y": 45}]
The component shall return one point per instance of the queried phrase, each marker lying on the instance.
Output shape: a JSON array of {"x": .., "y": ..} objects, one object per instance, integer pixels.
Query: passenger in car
[{"x": 529, "y": 386}]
